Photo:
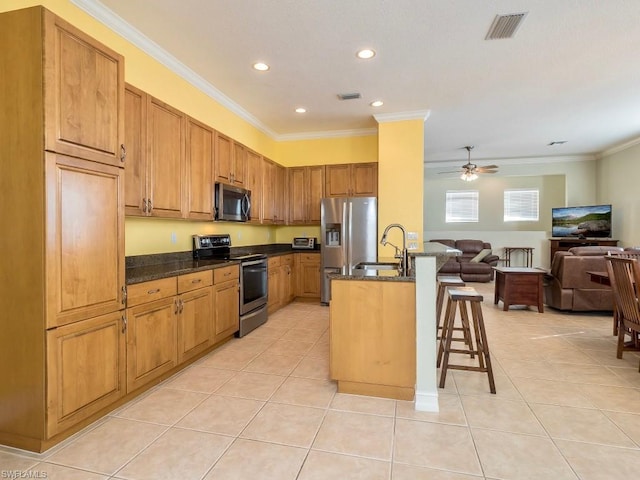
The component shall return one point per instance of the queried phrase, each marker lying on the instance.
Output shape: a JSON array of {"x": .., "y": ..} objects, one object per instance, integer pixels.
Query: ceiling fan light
[{"x": 468, "y": 176}]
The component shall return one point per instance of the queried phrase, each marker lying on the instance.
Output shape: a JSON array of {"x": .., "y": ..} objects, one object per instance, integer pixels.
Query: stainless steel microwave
[{"x": 232, "y": 203}]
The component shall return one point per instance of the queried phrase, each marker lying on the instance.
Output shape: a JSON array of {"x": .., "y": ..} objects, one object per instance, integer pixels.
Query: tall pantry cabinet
[{"x": 62, "y": 211}]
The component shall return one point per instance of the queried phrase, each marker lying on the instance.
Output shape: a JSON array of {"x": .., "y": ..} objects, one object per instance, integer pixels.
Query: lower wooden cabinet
[
  {"x": 275, "y": 285},
  {"x": 287, "y": 280},
  {"x": 85, "y": 369},
  {"x": 226, "y": 291},
  {"x": 308, "y": 275},
  {"x": 195, "y": 310},
  {"x": 151, "y": 341}
]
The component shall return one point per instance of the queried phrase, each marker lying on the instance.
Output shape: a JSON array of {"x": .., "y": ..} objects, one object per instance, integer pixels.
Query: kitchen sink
[{"x": 377, "y": 266}]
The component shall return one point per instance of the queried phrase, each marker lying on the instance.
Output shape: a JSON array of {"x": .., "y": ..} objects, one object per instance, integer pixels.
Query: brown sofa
[
  {"x": 569, "y": 287},
  {"x": 462, "y": 266}
]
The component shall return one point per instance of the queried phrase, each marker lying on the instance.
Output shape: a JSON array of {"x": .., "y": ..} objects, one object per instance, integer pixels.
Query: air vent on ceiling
[
  {"x": 505, "y": 26},
  {"x": 348, "y": 96}
]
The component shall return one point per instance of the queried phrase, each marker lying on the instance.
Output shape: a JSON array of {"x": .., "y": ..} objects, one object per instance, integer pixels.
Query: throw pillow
[{"x": 483, "y": 253}]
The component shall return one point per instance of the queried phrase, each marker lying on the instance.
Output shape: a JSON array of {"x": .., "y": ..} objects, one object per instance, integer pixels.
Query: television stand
[{"x": 564, "y": 244}]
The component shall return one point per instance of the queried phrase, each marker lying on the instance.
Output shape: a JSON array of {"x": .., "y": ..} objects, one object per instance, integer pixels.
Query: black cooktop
[{"x": 219, "y": 247}]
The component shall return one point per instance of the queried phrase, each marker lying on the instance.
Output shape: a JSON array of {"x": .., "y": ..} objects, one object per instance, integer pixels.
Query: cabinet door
[
  {"x": 84, "y": 94},
  {"x": 85, "y": 369},
  {"x": 274, "y": 296},
  {"x": 338, "y": 180},
  {"x": 199, "y": 170},
  {"x": 364, "y": 180},
  {"x": 254, "y": 184},
  {"x": 309, "y": 279},
  {"x": 165, "y": 134},
  {"x": 315, "y": 192},
  {"x": 297, "y": 195},
  {"x": 281, "y": 197},
  {"x": 135, "y": 136},
  {"x": 151, "y": 341},
  {"x": 268, "y": 190},
  {"x": 223, "y": 158},
  {"x": 194, "y": 322},
  {"x": 85, "y": 239},
  {"x": 226, "y": 318},
  {"x": 239, "y": 173}
]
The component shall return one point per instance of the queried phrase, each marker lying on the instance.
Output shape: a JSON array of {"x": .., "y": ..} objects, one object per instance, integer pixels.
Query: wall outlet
[
  {"x": 174, "y": 238},
  {"x": 412, "y": 246},
  {"x": 412, "y": 235},
  {"x": 239, "y": 235},
  {"x": 268, "y": 235}
]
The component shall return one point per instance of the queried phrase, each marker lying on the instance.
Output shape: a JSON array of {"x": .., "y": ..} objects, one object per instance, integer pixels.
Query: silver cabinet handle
[
  {"x": 123, "y": 152},
  {"x": 177, "y": 305},
  {"x": 124, "y": 295},
  {"x": 181, "y": 305},
  {"x": 196, "y": 280},
  {"x": 144, "y": 205},
  {"x": 124, "y": 323},
  {"x": 150, "y": 205},
  {"x": 151, "y": 292}
]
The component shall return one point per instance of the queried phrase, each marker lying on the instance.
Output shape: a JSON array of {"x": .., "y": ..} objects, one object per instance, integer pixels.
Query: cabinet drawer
[
  {"x": 274, "y": 262},
  {"x": 226, "y": 273},
  {"x": 309, "y": 257},
  {"x": 153, "y": 290},
  {"x": 193, "y": 281}
]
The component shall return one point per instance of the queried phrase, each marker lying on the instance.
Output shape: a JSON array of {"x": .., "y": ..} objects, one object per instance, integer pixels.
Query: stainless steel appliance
[
  {"x": 253, "y": 278},
  {"x": 232, "y": 203},
  {"x": 304, "y": 243},
  {"x": 349, "y": 229}
]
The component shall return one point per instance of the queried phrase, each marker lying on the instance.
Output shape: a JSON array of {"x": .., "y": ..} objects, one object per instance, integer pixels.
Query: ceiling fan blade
[
  {"x": 483, "y": 171},
  {"x": 451, "y": 171},
  {"x": 489, "y": 166}
]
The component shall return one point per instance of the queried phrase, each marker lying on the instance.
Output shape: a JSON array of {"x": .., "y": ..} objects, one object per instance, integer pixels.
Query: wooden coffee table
[{"x": 519, "y": 286}]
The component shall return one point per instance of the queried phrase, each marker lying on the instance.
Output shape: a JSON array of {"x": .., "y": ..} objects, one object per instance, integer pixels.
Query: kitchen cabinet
[
  {"x": 275, "y": 284},
  {"x": 254, "y": 184},
  {"x": 156, "y": 172},
  {"x": 230, "y": 161},
  {"x": 84, "y": 86},
  {"x": 281, "y": 198},
  {"x": 86, "y": 369},
  {"x": 226, "y": 301},
  {"x": 351, "y": 180},
  {"x": 199, "y": 168},
  {"x": 61, "y": 192},
  {"x": 268, "y": 191},
  {"x": 308, "y": 277},
  {"x": 84, "y": 239},
  {"x": 287, "y": 279},
  {"x": 306, "y": 188},
  {"x": 373, "y": 342},
  {"x": 195, "y": 311}
]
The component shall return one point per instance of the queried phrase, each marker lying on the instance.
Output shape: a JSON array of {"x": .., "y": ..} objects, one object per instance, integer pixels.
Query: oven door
[{"x": 253, "y": 285}]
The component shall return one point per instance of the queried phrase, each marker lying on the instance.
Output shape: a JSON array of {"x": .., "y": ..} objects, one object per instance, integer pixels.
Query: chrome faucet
[{"x": 403, "y": 254}]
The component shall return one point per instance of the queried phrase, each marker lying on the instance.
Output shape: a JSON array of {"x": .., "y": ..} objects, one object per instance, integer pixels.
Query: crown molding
[
  {"x": 362, "y": 132},
  {"x": 620, "y": 147},
  {"x": 401, "y": 116},
  {"x": 515, "y": 161}
]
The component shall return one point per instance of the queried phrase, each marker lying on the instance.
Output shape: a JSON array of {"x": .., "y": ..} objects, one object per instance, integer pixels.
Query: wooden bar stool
[
  {"x": 459, "y": 298},
  {"x": 443, "y": 283}
]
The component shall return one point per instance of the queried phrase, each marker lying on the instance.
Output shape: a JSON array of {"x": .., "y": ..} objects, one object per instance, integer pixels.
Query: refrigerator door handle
[
  {"x": 350, "y": 236},
  {"x": 346, "y": 254}
]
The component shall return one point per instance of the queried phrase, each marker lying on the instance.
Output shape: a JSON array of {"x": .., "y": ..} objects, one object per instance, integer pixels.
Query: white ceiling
[{"x": 571, "y": 72}]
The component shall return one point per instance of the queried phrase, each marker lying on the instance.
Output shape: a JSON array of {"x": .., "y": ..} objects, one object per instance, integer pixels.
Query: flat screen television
[{"x": 581, "y": 222}]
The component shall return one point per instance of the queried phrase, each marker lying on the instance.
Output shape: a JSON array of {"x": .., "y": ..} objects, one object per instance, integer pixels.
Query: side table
[
  {"x": 519, "y": 286},
  {"x": 526, "y": 251}
]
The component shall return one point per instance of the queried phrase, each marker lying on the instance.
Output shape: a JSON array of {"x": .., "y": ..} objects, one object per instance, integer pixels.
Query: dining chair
[
  {"x": 621, "y": 254},
  {"x": 624, "y": 275}
]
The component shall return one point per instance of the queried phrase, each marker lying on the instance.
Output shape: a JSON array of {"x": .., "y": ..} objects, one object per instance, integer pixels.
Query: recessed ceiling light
[
  {"x": 377, "y": 103},
  {"x": 301, "y": 110},
  {"x": 263, "y": 67},
  {"x": 366, "y": 53}
]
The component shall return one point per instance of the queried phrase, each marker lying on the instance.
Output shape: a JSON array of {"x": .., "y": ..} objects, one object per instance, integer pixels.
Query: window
[
  {"x": 462, "y": 206},
  {"x": 521, "y": 205}
]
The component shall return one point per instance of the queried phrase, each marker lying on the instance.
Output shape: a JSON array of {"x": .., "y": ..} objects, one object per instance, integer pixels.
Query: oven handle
[{"x": 254, "y": 262}]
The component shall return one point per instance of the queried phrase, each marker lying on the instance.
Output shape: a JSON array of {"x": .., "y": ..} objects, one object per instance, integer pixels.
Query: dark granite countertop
[{"x": 143, "y": 268}]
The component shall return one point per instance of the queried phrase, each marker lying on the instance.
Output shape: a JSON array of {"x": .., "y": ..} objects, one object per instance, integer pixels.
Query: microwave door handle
[{"x": 246, "y": 202}]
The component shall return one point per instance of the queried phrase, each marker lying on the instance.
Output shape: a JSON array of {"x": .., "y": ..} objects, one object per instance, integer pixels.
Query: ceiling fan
[{"x": 470, "y": 170}]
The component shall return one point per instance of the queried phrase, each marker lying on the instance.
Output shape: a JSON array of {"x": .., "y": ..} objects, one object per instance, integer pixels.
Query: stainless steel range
[{"x": 253, "y": 278}]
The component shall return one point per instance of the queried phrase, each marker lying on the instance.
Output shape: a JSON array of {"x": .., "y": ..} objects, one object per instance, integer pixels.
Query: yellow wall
[
  {"x": 325, "y": 151},
  {"x": 400, "y": 180}
]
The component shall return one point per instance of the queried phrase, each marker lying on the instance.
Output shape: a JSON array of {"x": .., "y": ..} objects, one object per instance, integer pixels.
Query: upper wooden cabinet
[
  {"x": 230, "y": 161},
  {"x": 351, "y": 180},
  {"x": 199, "y": 167},
  {"x": 306, "y": 187},
  {"x": 268, "y": 191},
  {"x": 157, "y": 177},
  {"x": 254, "y": 184},
  {"x": 84, "y": 92}
]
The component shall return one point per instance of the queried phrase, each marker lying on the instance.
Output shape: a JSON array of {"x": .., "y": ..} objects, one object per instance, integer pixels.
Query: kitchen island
[{"x": 383, "y": 330}]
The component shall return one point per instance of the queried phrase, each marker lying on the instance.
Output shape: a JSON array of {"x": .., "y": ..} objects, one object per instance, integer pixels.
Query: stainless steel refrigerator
[{"x": 349, "y": 230}]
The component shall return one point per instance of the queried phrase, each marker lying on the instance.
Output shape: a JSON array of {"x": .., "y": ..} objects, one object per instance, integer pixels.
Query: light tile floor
[{"x": 263, "y": 407}]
